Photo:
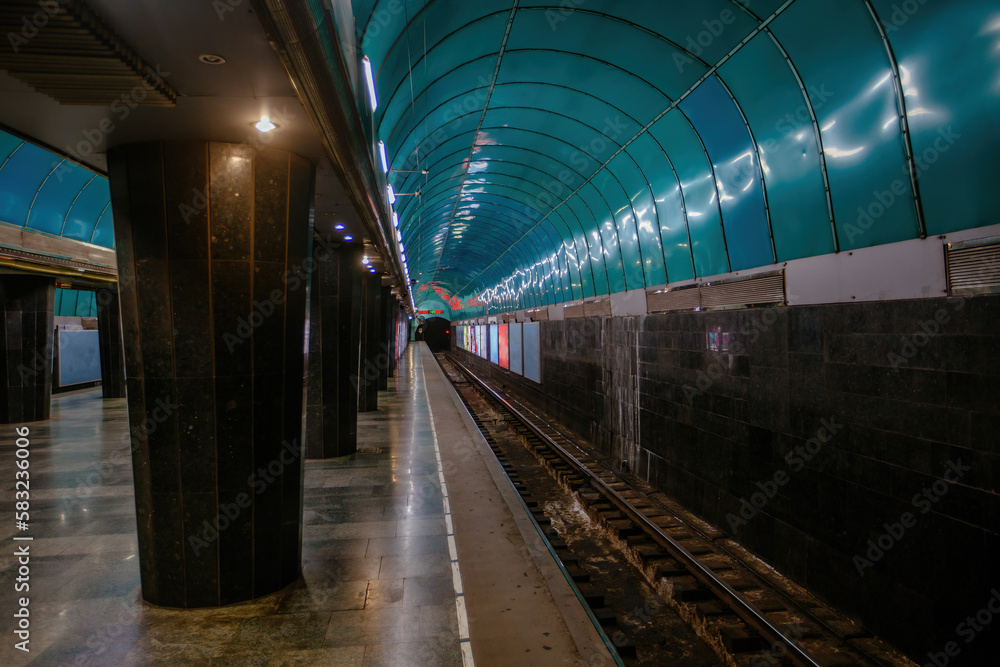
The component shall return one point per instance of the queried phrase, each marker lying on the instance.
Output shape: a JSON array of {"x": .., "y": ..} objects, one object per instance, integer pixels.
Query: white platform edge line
[{"x": 460, "y": 612}]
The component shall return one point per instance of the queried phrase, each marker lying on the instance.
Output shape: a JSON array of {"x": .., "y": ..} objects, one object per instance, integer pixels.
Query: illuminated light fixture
[
  {"x": 372, "y": 269},
  {"x": 265, "y": 125},
  {"x": 395, "y": 220},
  {"x": 401, "y": 248},
  {"x": 371, "y": 82},
  {"x": 392, "y": 195},
  {"x": 338, "y": 227},
  {"x": 381, "y": 152},
  {"x": 365, "y": 260},
  {"x": 348, "y": 238}
]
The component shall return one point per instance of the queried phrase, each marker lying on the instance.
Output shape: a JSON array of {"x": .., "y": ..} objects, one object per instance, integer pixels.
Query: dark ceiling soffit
[
  {"x": 64, "y": 50},
  {"x": 326, "y": 94}
]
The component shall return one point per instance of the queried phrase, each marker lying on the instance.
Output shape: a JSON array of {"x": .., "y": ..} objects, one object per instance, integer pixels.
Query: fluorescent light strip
[
  {"x": 371, "y": 82},
  {"x": 381, "y": 152}
]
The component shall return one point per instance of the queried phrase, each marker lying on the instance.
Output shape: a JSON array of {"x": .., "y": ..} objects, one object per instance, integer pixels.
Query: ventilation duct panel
[
  {"x": 973, "y": 266},
  {"x": 765, "y": 289}
]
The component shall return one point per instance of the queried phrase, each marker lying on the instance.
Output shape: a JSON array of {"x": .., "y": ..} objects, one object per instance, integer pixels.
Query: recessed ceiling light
[
  {"x": 338, "y": 227},
  {"x": 211, "y": 59},
  {"x": 348, "y": 238},
  {"x": 265, "y": 125}
]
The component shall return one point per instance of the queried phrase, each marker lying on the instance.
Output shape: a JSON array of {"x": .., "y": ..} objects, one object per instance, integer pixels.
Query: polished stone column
[
  {"x": 26, "y": 334},
  {"x": 371, "y": 337},
  {"x": 213, "y": 244},
  {"x": 109, "y": 331},
  {"x": 335, "y": 320},
  {"x": 392, "y": 308},
  {"x": 385, "y": 338}
]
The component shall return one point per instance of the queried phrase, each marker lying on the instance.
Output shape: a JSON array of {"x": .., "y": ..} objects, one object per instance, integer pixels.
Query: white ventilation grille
[
  {"x": 974, "y": 266},
  {"x": 759, "y": 290}
]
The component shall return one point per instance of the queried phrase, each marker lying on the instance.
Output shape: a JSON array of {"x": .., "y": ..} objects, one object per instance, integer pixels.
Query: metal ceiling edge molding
[
  {"x": 64, "y": 50},
  {"x": 973, "y": 266},
  {"x": 325, "y": 93}
]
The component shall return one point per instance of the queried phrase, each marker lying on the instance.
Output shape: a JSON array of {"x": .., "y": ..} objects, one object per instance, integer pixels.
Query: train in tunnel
[{"x": 436, "y": 332}]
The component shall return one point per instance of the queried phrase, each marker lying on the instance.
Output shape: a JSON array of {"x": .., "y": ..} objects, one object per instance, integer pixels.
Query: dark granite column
[
  {"x": 213, "y": 244},
  {"x": 384, "y": 358},
  {"x": 26, "y": 338},
  {"x": 392, "y": 308},
  {"x": 335, "y": 320},
  {"x": 109, "y": 330},
  {"x": 368, "y": 372}
]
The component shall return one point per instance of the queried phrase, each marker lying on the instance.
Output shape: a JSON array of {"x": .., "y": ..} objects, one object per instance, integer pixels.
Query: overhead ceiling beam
[{"x": 323, "y": 84}]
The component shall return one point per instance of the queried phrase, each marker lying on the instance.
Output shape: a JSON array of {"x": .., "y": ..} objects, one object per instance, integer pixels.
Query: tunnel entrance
[{"x": 437, "y": 332}]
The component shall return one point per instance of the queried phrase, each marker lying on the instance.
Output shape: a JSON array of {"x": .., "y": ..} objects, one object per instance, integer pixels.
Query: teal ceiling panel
[
  {"x": 859, "y": 119},
  {"x": 607, "y": 232},
  {"x": 736, "y": 173},
  {"x": 675, "y": 244},
  {"x": 949, "y": 69},
  {"x": 788, "y": 146},
  {"x": 643, "y": 221},
  {"x": 47, "y": 193},
  {"x": 56, "y": 196},
  {"x": 21, "y": 175},
  {"x": 686, "y": 151}
]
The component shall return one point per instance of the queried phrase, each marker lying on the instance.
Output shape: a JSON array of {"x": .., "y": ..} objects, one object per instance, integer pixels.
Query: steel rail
[{"x": 740, "y": 605}]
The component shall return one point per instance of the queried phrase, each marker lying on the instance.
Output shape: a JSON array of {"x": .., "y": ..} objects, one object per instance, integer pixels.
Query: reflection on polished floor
[{"x": 377, "y": 586}]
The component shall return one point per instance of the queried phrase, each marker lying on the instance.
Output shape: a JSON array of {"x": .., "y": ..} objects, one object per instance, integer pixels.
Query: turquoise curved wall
[{"x": 582, "y": 148}]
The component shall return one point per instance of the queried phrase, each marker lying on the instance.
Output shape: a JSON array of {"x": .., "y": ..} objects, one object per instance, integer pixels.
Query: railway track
[{"x": 745, "y": 611}]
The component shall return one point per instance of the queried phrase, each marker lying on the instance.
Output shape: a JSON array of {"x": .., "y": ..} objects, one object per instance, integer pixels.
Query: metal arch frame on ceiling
[
  {"x": 673, "y": 105},
  {"x": 482, "y": 117},
  {"x": 831, "y": 180}
]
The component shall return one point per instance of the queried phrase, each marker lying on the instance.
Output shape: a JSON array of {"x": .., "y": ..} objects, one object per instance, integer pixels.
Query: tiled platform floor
[{"x": 377, "y": 585}]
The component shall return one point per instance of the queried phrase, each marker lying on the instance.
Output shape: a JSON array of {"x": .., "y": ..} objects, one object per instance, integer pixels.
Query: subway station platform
[{"x": 416, "y": 551}]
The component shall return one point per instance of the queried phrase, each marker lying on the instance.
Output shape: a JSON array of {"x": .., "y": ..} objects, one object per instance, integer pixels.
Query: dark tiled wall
[{"x": 838, "y": 417}]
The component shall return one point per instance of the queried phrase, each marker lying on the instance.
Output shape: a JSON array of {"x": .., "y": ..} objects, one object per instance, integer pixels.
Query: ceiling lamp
[{"x": 371, "y": 82}]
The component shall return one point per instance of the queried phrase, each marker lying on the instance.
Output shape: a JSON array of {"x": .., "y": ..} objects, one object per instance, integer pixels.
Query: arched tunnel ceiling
[
  {"x": 44, "y": 192},
  {"x": 588, "y": 147}
]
